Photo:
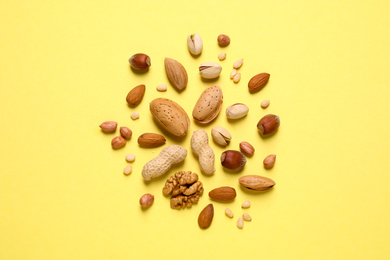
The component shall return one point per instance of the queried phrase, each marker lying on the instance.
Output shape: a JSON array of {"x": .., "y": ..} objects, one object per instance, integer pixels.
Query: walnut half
[{"x": 184, "y": 189}]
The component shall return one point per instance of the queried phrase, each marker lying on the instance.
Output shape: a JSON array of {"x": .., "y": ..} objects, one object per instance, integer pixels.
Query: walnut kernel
[{"x": 184, "y": 189}]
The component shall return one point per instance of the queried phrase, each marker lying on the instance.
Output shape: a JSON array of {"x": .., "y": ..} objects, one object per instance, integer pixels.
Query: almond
[
  {"x": 258, "y": 82},
  {"x": 256, "y": 182},
  {"x": 206, "y": 216},
  {"x": 151, "y": 140},
  {"x": 208, "y": 105},
  {"x": 135, "y": 95},
  {"x": 170, "y": 116},
  {"x": 176, "y": 73},
  {"x": 224, "y": 193}
]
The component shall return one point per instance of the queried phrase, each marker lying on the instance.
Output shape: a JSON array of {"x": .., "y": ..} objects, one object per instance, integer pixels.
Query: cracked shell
[
  {"x": 195, "y": 44},
  {"x": 221, "y": 136},
  {"x": 208, "y": 105},
  {"x": 170, "y": 116}
]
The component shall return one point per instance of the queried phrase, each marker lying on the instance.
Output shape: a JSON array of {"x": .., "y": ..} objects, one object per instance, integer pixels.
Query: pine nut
[
  {"x": 238, "y": 64},
  {"x": 237, "y": 78},
  {"x": 240, "y": 223},
  {"x": 233, "y": 73},
  {"x": 246, "y": 217},
  {"x": 130, "y": 157},
  {"x": 127, "y": 170},
  {"x": 135, "y": 115},
  {"x": 222, "y": 56},
  {"x": 229, "y": 213},
  {"x": 265, "y": 103},
  {"x": 162, "y": 88},
  {"x": 246, "y": 204}
]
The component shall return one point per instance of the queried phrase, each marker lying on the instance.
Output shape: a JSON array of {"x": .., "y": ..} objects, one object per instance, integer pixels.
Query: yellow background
[{"x": 64, "y": 70}]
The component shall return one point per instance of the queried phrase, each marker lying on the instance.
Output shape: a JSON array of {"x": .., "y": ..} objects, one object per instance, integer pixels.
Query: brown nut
[
  {"x": 224, "y": 193},
  {"x": 268, "y": 124},
  {"x": 233, "y": 160},
  {"x": 247, "y": 149},
  {"x": 118, "y": 142},
  {"x": 269, "y": 161},
  {"x": 208, "y": 105},
  {"x": 151, "y": 140},
  {"x": 256, "y": 182},
  {"x": 176, "y": 74},
  {"x": 140, "y": 61},
  {"x": 134, "y": 97},
  {"x": 258, "y": 82},
  {"x": 108, "y": 126},
  {"x": 206, "y": 216},
  {"x": 170, "y": 116},
  {"x": 146, "y": 200},
  {"x": 125, "y": 132},
  {"x": 184, "y": 188},
  {"x": 223, "y": 40}
]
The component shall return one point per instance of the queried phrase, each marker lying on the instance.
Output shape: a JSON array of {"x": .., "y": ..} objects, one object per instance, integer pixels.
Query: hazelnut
[
  {"x": 233, "y": 160},
  {"x": 140, "y": 61},
  {"x": 146, "y": 200},
  {"x": 223, "y": 40},
  {"x": 268, "y": 124},
  {"x": 125, "y": 132},
  {"x": 247, "y": 148},
  {"x": 269, "y": 161},
  {"x": 118, "y": 142}
]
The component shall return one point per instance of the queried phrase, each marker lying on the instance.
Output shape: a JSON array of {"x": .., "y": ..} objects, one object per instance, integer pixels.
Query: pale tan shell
[
  {"x": 200, "y": 147},
  {"x": 208, "y": 105},
  {"x": 170, "y": 155},
  {"x": 256, "y": 182},
  {"x": 170, "y": 116},
  {"x": 221, "y": 136}
]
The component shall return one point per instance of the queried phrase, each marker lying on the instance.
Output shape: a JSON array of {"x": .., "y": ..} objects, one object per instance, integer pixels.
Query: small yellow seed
[
  {"x": 238, "y": 64},
  {"x": 135, "y": 115},
  {"x": 246, "y": 204},
  {"x": 233, "y": 73},
  {"x": 229, "y": 213},
  {"x": 237, "y": 78},
  {"x": 246, "y": 217},
  {"x": 127, "y": 170},
  {"x": 265, "y": 103},
  {"x": 240, "y": 223},
  {"x": 162, "y": 88},
  {"x": 130, "y": 157},
  {"x": 222, "y": 56}
]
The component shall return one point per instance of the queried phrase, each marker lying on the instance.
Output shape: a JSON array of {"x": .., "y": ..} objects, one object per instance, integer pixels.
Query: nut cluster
[{"x": 184, "y": 189}]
